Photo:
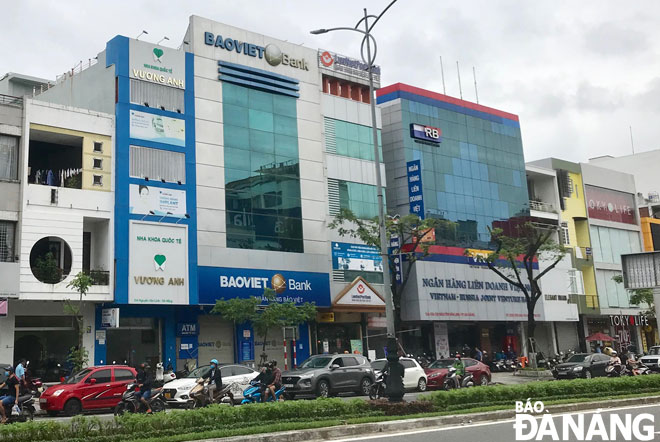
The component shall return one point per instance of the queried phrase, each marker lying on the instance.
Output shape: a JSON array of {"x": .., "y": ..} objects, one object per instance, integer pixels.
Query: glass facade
[
  {"x": 351, "y": 140},
  {"x": 475, "y": 177},
  {"x": 609, "y": 244},
  {"x": 611, "y": 293},
  {"x": 361, "y": 199},
  {"x": 262, "y": 177}
]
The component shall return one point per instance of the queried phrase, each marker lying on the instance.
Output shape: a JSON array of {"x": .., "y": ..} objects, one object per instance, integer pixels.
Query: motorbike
[
  {"x": 252, "y": 394},
  {"x": 509, "y": 365},
  {"x": 183, "y": 373},
  {"x": 32, "y": 385},
  {"x": 26, "y": 409},
  {"x": 162, "y": 376},
  {"x": 377, "y": 389},
  {"x": 130, "y": 401},
  {"x": 638, "y": 369},
  {"x": 616, "y": 370},
  {"x": 468, "y": 380},
  {"x": 199, "y": 395},
  {"x": 451, "y": 380}
]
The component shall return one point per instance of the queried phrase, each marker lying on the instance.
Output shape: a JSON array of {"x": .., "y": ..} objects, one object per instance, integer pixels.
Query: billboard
[
  {"x": 159, "y": 200},
  {"x": 351, "y": 66},
  {"x": 415, "y": 190},
  {"x": 157, "y": 64},
  {"x": 158, "y": 263},
  {"x": 610, "y": 205},
  {"x": 158, "y": 128},
  {"x": 358, "y": 257}
]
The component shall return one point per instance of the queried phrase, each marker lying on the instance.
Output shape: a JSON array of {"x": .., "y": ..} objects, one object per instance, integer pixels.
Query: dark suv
[{"x": 325, "y": 375}]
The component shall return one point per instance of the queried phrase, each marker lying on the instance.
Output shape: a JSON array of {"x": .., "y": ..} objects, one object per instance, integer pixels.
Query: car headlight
[
  {"x": 307, "y": 382},
  {"x": 56, "y": 393},
  {"x": 578, "y": 368},
  {"x": 434, "y": 375}
]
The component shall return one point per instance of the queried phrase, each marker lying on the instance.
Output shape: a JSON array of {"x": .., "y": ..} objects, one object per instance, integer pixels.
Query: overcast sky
[{"x": 577, "y": 73}]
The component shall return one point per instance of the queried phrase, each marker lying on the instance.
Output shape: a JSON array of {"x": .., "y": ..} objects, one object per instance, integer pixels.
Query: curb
[{"x": 344, "y": 431}]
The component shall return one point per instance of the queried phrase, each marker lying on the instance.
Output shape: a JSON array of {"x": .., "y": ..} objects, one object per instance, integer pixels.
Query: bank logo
[
  {"x": 360, "y": 288},
  {"x": 273, "y": 55},
  {"x": 326, "y": 59},
  {"x": 159, "y": 262},
  {"x": 158, "y": 54},
  {"x": 278, "y": 283}
]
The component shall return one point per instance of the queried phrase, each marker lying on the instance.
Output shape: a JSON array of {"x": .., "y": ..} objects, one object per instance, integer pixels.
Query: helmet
[
  {"x": 458, "y": 356},
  {"x": 214, "y": 361},
  {"x": 9, "y": 368},
  {"x": 614, "y": 353}
]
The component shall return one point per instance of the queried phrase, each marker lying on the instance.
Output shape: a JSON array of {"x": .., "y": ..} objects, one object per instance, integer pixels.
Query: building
[{"x": 463, "y": 162}]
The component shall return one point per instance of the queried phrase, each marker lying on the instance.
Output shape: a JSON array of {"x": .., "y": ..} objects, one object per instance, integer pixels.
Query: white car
[
  {"x": 177, "y": 392},
  {"x": 414, "y": 377}
]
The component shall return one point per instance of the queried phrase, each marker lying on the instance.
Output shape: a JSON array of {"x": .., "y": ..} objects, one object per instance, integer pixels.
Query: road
[{"x": 503, "y": 431}]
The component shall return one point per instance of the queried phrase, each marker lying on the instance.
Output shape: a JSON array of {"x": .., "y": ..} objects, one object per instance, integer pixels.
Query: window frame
[
  {"x": 100, "y": 145},
  {"x": 98, "y": 182}
]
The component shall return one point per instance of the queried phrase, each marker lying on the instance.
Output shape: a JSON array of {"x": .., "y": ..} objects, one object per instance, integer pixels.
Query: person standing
[{"x": 478, "y": 354}]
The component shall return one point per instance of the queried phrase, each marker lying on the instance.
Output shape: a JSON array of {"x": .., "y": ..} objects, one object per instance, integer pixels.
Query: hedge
[{"x": 544, "y": 391}]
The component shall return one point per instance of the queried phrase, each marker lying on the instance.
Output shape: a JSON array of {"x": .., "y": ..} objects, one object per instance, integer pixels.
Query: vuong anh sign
[
  {"x": 426, "y": 133},
  {"x": 415, "y": 192}
]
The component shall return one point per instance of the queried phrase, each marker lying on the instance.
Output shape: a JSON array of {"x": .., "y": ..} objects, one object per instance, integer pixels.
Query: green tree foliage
[
  {"x": 639, "y": 297},
  {"x": 78, "y": 356},
  {"x": 46, "y": 269},
  {"x": 264, "y": 314},
  {"x": 514, "y": 257}
]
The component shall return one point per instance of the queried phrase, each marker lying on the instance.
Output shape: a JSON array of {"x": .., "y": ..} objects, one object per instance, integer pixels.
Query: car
[
  {"x": 414, "y": 377},
  {"x": 327, "y": 375},
  {"x": 652, "y": 359},
  {"x": 582, "y": 365},
  {"x": 437, "y": 371},
  {"x": 92, "y": 388},
  {"x": 177, "y": 392}
]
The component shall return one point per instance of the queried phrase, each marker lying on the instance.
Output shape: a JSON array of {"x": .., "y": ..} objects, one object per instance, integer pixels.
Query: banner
[
  {"x": 415, "y": 192},
  {"x": 358, "y": 257},
  {"x": 441, "y": 340},
  {"x": 159, "y": 200},
  {"x": 158, "y": 128}
]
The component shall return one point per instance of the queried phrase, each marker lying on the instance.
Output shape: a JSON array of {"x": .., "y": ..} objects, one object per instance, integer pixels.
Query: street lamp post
[{"x": 395, "y": 379}]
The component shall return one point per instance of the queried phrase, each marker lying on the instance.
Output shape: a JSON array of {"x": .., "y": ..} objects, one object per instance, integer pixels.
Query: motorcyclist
[
  {"x": 13, "y": 384},
  {"x": 460, "y": 368},
  {"x": 215, "y": 379},
  {"x": 144, "y": 381},
  {"x": 276, "y": 383},
  {"x": 264, "y": 378}
]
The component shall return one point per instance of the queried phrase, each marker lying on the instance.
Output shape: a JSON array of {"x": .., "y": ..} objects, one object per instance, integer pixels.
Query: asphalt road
[{"x": 503, "y": 431}]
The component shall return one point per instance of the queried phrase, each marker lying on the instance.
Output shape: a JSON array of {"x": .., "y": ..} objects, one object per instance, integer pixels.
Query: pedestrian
[
  {"x": 598, "y": 349},
  {"x": 20, "y": 370},
  {"x": 478, "y": 354}
]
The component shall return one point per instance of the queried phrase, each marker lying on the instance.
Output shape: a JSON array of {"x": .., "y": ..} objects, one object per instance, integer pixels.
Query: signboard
[
  {"x": 377, "y": 322},
  {"x": 395, "y": 250},
  {"x": 188, "y": 347},
  {"x": 157, "y": 128},
  {"x": 228, "y": 282},
  {"x": 157, "y": 64},
  {"x": 347, "y": 65},
  {"x": 9, "y": 275},
  {"x": 247, "y": 351},
  {"x": 356, "y": 346},
  {"x": 425, "y": 133},
  {"x": 610, "y": 205},
  {"x": 187, "y": 329},
  {"x": 359, "y": 257},
  {"x": 158, "y": 263},
  {"x": 101, "y": 336},
  {"x": 159, "y": 200},
  {"x": 415, "y": 190},
  {"x": 360, "y": 295},
  {"x": 4, "y": 307},
  {"x": 325, "y": 317},
  {"x": 441, "y": 340},
  {"x": 110, "y": 318}
]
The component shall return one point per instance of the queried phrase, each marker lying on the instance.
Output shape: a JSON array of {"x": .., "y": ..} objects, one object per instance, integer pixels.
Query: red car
[
  {"x": 437, "y": 371},
  {"x": 89, "y": 389}
]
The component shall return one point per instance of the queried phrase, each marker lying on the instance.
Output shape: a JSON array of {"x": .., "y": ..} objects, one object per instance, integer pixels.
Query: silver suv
[
  {"x": 326, "y": 375},
  {"x": 652, "y": 360}
]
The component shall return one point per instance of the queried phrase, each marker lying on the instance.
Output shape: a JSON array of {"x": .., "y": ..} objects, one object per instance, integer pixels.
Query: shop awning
[
  {"x": 600, "y": 337},
  {"x": 359, "y": 296}
]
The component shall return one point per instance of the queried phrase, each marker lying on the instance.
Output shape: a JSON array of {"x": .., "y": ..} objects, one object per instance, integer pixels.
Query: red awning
[{"x": 600, "y": 337}]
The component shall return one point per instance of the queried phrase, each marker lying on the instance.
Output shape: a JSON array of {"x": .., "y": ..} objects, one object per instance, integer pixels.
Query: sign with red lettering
[{"x": 610, "y": 205}]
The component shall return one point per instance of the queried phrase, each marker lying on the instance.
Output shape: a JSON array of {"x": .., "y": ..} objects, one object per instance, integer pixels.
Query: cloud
[{"x": 613, "y": 39}]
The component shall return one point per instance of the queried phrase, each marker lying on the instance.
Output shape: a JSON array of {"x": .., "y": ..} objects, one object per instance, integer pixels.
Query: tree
[
  {"x": 47, "y": 270},
  {"x": 639, "y": 297},
  {"x": 411, "y": 231},
  {"x": 264, "y": 314},
  {"x": 78, "y": 356},
  {"x": 514, "y": 257}
]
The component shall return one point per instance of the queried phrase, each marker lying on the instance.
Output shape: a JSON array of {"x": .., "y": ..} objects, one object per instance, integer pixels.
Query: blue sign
[
  {"x": 234, "y": 45},
  {"x": 415, "y": 193},
  {"x": 425, "y": 133},
  {"x": 358, "y": 257},
  {"x": 227, "y": 282},
  {"x": 394, "y": 251},
  {"x": 247, "y": 351},
  {"x": 187, "y": 329},
  {"x": 188, "y": 347}
]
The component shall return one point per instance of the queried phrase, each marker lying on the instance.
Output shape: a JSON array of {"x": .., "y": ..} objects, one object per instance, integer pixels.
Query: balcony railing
[
  {"x": 11, "y": 101},
  {"x": 100, "y": 277},
  {"x": 541, "y": 206}
]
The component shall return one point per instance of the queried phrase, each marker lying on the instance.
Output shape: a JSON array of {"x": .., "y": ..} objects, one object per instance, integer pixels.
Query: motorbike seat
[{"x": 24, "y": 398}]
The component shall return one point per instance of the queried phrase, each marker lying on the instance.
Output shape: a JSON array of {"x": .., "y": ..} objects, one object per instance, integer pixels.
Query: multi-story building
[{"x": 462, "y": 162}]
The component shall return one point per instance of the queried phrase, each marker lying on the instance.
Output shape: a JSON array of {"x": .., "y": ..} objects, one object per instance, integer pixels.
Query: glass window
[
  {"x": 8, "y": 158},
  {"x": 100, "y": 376},
  {"x": 240, "y": 370},
  {"x": 235, "y": 115},
  {"x": 122, "y": 374},
  {"x": 350, "y": 361},
  {"x": 260, "y": 120},
  {"x": 7, "y": 235}
]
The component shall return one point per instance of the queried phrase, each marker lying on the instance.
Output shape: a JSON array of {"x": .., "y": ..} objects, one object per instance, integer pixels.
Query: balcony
[
  {"x": 587, "y": 304},
  {"x": 99, "y": 277},
  {"x": 540, "y": 206}
]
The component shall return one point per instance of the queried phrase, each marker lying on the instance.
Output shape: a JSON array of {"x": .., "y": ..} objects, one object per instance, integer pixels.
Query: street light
[{"x": 395, "y": 384}]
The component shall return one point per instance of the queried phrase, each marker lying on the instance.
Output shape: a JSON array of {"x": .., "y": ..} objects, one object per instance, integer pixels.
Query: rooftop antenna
[
  {"x": 632, "y": 145},
  {"x": 164, "y": 38},
  {"x": 141, "y": 33},
  {"x": 460, "y": 88},
  {"x": 442, "y": 72},
  {"x": 476, "y": 93}
]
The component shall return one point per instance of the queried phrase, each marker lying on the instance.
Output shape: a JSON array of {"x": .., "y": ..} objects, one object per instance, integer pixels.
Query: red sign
[
  {"x": 326, "y": 59},
  {"x": 610, "y": 205}
]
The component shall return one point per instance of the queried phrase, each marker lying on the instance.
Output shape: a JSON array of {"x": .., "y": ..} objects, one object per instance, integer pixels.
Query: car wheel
[
  {"x": 323, "y": 388},
  {"x": 587, "y": 374},
  {"x": 72, "y": 407},
  {"x": 483, "y": 381},
  {"x": 365, "y": 386},
  {"x": 421, "y": 384}
]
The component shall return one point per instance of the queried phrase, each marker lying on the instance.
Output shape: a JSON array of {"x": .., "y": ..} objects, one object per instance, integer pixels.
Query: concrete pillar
[
  {"x": 553, "y": 337},
  {"x": 656, "y": 302}
]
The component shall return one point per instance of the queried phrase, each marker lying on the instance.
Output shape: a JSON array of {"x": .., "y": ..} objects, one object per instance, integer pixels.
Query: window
[
  {"x": 350, "y": 139},
  {"x": 8, "y": 158},
  {"x": 97, "y": 180},
  {"x": 239, "y": 371},
  {"x": 469, "y": 362},
  {"x": 225, "y": 372},
  {"x": 98, "y": 163},
  {"x": 407, "y": 363},
  {"x": 98, "y": 146},
  {"x": 158, "y": 96},
  {"x": 350, "y": 361},
  {"x": 337, "y": 361},
  {"x": 100, "y": 376},
  {"x": 361, "y": 199},
  {"x": 157, "y": 164},
  {"x": 564, "y": 238},
  {"x": 122, "y": 374},
  {"x": 7, "y": 232}
]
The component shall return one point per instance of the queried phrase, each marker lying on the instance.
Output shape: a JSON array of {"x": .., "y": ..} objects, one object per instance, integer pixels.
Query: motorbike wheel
[
  {"x": 157, "y": 406},
  {"x": 374, "y": 392},
  {"x": 120, "y": 409}
]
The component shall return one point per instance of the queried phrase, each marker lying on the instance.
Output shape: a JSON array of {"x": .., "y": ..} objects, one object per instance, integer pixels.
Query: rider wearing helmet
[
  {"x": 215, "y": 378},
  {"x": 144, "y": 381},
  {"x": 459, "y": 366},
  {"x": 12, "y": 383}
]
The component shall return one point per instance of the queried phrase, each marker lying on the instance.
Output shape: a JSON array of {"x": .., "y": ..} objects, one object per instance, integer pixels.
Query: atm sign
[{"x": 426, "y": 133}]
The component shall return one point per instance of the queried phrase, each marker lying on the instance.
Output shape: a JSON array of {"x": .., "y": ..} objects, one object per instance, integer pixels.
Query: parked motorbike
[
  {"x": 199, "y": 395},
  {"x": 497, "y": 366},
  {"x": 130, "y": 401},
  {"x": 509, "y": 365},
  {"x": 26, "y": 409},
  {"x": 32, "y": 384},
  {"x": 252, "y": 394},
  {"x": 377, "y": 389}
]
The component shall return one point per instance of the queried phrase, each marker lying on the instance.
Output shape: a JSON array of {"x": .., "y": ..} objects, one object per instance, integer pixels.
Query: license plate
[
  {"x": 288, "y": 385},
  {"x": 168, "y": 395}
]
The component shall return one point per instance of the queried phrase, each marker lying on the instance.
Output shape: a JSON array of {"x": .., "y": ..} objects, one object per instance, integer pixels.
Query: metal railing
[
  {"x": 100, "y": 277},
  {"x": 11, "y": 101},
  {"x": 541, "y": 206}
]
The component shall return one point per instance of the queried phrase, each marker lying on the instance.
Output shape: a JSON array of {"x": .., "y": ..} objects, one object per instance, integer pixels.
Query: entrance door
[{"x": 136, "y": 341}]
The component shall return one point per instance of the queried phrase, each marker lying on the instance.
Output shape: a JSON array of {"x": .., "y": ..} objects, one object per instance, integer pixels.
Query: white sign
[
  {"x": 100, "y": 336},
  {"x": 159, "y": 200},
  {"x": 361, "y": 294},
  {"x": 158, "y": 263},
  {"x": 110, "y": 318},
  {"x": 151, "y": 127},
  {"x": 441, "y": 340},
  {"x": 9, "y": 275},
  {"x": 157, "y": 64}
]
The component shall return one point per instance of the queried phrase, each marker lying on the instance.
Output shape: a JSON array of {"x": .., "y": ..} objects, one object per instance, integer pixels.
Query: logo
[
  {"x": 159, "y": 262},
  {"x": 273, "y": 55},
  {"x": 278, "y": 283},
  {"x": 360, "y": 288},
  {"x": 326, "y": 59},
  {"x": 158, "y": 53},
  {"x": 426, "y": 133}
]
